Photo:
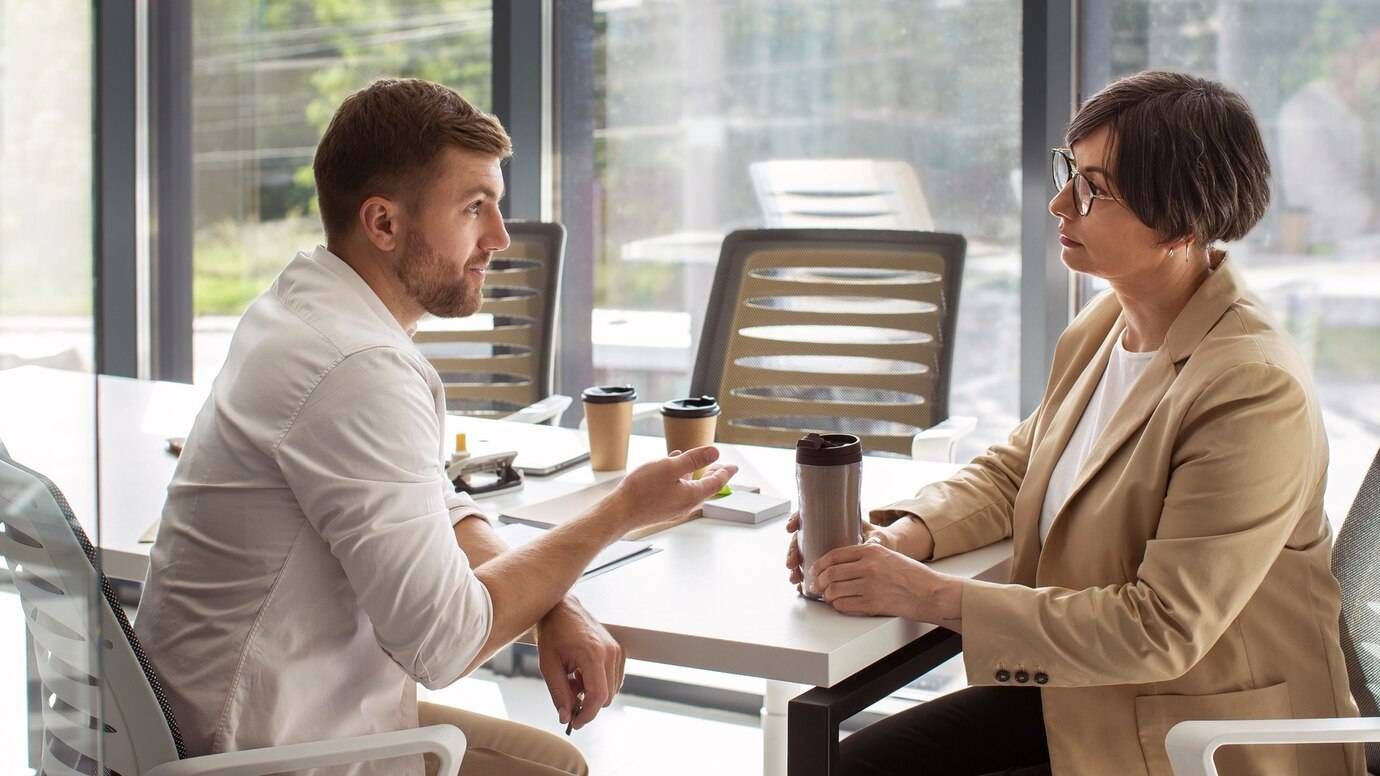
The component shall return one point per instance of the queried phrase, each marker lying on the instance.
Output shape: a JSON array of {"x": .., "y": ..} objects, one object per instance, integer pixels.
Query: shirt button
[
  {"x": 1022, "y": 677},
  {"x": 1003, "y": 675},
  {"x": 1041, "y": 677}
]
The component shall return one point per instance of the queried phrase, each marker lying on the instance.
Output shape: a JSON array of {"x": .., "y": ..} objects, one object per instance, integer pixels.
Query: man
[
  {"x": 313, "y": 562},
  {"x": 1327, "y": 147}
]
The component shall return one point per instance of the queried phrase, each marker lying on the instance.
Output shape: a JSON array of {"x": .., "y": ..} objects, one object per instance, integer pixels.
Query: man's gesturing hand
[{"x": 662, "y": 490}]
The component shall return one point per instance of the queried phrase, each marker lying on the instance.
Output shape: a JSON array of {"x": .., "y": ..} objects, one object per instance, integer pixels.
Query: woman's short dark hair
[{"x": 1185, "y": 154}]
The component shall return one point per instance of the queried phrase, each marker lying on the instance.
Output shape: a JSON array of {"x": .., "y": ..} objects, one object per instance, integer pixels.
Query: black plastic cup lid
[
  {"x": 828, "y": 449},
  {"x": 694, "y": 407},
  {"x": 609, "y": 394}
]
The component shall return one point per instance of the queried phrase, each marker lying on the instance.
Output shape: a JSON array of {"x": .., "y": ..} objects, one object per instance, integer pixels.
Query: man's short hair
[
  {"x": 1185, "y": 154},
  {"x": 383, "y": 140}
]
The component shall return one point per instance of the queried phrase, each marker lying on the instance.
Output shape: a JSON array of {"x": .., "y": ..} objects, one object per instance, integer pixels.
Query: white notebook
[{"x": 542, "y": 450}]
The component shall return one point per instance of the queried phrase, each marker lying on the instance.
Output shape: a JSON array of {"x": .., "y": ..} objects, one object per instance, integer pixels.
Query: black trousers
[{"x": 978, "y": 731}]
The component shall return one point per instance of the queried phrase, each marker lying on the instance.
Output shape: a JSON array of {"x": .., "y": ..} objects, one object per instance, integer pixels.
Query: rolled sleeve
[
  {"x": 461, "y": 505},
  {"x": 361, "y": 457}
]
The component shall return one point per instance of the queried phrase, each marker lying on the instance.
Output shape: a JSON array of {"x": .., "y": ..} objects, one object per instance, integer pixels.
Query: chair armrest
[
  {"x": 641, "y": 409},
  {"x": 1190, "y": 745},
  {"x": 444, "y": 741},
  {"x": 936, "y": 444},
  {"x": 544, "y": 411}
]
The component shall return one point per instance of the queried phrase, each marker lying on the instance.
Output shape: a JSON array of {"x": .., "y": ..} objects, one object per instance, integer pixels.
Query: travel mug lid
[
  {"x": 694, "y": 407},
  {"x": 609, "y": 394},
  {"x": 828, "y": 449}
]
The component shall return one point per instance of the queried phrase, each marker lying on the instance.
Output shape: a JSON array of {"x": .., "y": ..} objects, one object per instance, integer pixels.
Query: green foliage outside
[{"x": 269, "y": 76}]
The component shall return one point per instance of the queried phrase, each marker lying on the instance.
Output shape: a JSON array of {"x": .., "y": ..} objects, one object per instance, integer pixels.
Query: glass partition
[{"x": 47, "y": 351}]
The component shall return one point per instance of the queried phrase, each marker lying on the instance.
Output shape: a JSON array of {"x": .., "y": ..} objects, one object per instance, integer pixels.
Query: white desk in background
[{"x": 715, "y": 596}]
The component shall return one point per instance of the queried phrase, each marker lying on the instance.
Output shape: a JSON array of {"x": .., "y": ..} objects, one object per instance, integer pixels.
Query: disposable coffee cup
[
  {"x": 828, "y": 471},
  {"x": 690, "y": 423},
  {"x": 608, "y": 419}
]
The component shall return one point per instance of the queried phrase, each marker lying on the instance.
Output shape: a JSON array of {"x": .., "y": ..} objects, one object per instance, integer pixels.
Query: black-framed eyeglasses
[{"x": 1061, "y": 166}]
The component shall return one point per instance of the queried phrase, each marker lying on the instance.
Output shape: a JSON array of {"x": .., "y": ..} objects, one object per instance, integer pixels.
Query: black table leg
[{"x": 813, "y": 717}]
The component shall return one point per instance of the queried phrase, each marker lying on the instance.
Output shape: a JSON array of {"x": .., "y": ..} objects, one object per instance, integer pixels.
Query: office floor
[{"x": 633, "y": 736}]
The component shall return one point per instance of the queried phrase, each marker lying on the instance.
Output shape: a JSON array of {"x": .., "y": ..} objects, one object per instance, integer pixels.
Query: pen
[{"x": 575, "y": 712}]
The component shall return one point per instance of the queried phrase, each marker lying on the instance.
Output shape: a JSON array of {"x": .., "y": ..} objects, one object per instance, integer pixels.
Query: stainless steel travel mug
[{"x": 828, "y": 473}]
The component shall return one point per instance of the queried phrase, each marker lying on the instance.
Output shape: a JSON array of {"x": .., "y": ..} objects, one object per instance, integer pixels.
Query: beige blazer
[{"x": 1187, "y": 576}]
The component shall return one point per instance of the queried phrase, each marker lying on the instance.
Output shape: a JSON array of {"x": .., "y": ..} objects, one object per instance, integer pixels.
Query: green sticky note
[{"x": 727, "y": 490}]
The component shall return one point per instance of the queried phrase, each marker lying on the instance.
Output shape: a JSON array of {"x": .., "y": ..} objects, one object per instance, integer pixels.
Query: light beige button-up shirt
[{"x": 305, "y": 572}]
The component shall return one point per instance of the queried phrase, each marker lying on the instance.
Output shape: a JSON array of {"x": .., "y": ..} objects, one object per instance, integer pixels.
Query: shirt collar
[{"x": 341, "y": 269}]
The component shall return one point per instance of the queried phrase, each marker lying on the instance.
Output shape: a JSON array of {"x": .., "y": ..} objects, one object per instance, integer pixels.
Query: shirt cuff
[{"x": 462, "y": 506}]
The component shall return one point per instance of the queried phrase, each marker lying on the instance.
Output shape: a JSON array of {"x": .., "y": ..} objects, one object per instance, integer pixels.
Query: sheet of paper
[
  {"x": 518, "y": 534},
  {"x": 557, "y": 511}
]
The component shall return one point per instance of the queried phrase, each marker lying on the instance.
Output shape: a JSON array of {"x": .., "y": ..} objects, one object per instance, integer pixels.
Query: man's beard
[{"x": 425, "y": 276}]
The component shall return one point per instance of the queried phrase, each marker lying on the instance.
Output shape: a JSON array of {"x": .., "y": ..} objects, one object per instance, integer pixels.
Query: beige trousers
[{"x": 496, "y": 747}]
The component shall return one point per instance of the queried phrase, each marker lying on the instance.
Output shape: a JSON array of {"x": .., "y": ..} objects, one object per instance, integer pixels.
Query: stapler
[{"x": 485, "y": 475}]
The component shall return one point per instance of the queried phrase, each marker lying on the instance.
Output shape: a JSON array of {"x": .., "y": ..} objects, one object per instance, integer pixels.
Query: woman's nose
[{"x": 1061, "y": 206}]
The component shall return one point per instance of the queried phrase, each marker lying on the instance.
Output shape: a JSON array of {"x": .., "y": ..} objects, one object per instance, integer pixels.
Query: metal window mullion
[
  {"x": 1048, "y": 98},
  {"x": 117, "y": 300},
  {"x": 171, "y": 212},
  {"x": 520, "y": 84}
]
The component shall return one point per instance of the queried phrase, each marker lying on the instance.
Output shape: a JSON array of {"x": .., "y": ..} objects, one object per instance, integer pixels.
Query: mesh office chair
[
  {"x": 104, "y": 709},
  {"x": 495, "y": 372},
  {"x": 1356, "y": 564},
  {"x": 842, "y": 330}
]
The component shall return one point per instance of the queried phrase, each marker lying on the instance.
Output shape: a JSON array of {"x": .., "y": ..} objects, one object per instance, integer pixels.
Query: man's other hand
[{"x": 576, "y": 654}]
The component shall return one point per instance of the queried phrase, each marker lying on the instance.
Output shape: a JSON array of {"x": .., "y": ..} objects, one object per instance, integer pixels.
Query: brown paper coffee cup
[
  {"x": 690, "y": 423},
  {"x": 608, "y": 420}
]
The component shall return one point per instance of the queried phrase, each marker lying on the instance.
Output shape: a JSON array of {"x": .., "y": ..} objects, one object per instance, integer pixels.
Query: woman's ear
[{"x": 1180, "y": 246}]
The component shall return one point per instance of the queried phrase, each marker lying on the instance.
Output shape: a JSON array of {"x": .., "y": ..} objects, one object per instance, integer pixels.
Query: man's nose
[{"x": 496, "y": 238}]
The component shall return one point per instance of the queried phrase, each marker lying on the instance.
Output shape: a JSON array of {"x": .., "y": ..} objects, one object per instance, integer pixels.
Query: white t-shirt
[
  {"x": 306, "y": 575},
  {"x": 1122, "y": 370}
]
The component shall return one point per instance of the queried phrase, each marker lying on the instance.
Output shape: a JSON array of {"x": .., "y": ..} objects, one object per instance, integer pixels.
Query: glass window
[
  {"x": 705, "y": 111},
  {"x": 45, "y": 185},
  {"x": 1311, "y": 72},
  {"x": 269, "y": 75}
]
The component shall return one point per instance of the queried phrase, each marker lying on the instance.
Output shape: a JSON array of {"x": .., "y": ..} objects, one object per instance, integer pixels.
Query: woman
[{"x": 1165, "y": 499}]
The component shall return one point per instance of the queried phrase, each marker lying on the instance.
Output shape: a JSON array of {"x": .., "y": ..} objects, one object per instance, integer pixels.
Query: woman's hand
[
  {"x": 872, "y": 533},
  {"x": 872, "y": 579}
]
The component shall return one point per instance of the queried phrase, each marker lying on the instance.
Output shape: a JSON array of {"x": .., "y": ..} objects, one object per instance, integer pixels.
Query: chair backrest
[
  {"x": 840, "y": 194},
  {"x": 104, "y": 706},
  {"x": 1356, "y": 563},
  {"x": 492, "y": 371},
  {"x": 845, "y": 330}
]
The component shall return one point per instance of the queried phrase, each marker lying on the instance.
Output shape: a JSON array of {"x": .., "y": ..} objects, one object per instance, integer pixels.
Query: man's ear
[{"x": 380, "y": 219}]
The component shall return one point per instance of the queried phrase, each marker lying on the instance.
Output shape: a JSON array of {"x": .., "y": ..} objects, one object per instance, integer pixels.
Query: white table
[
  {"x": 48, "y": 421},
  {"x": 715, "y": 597}
]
